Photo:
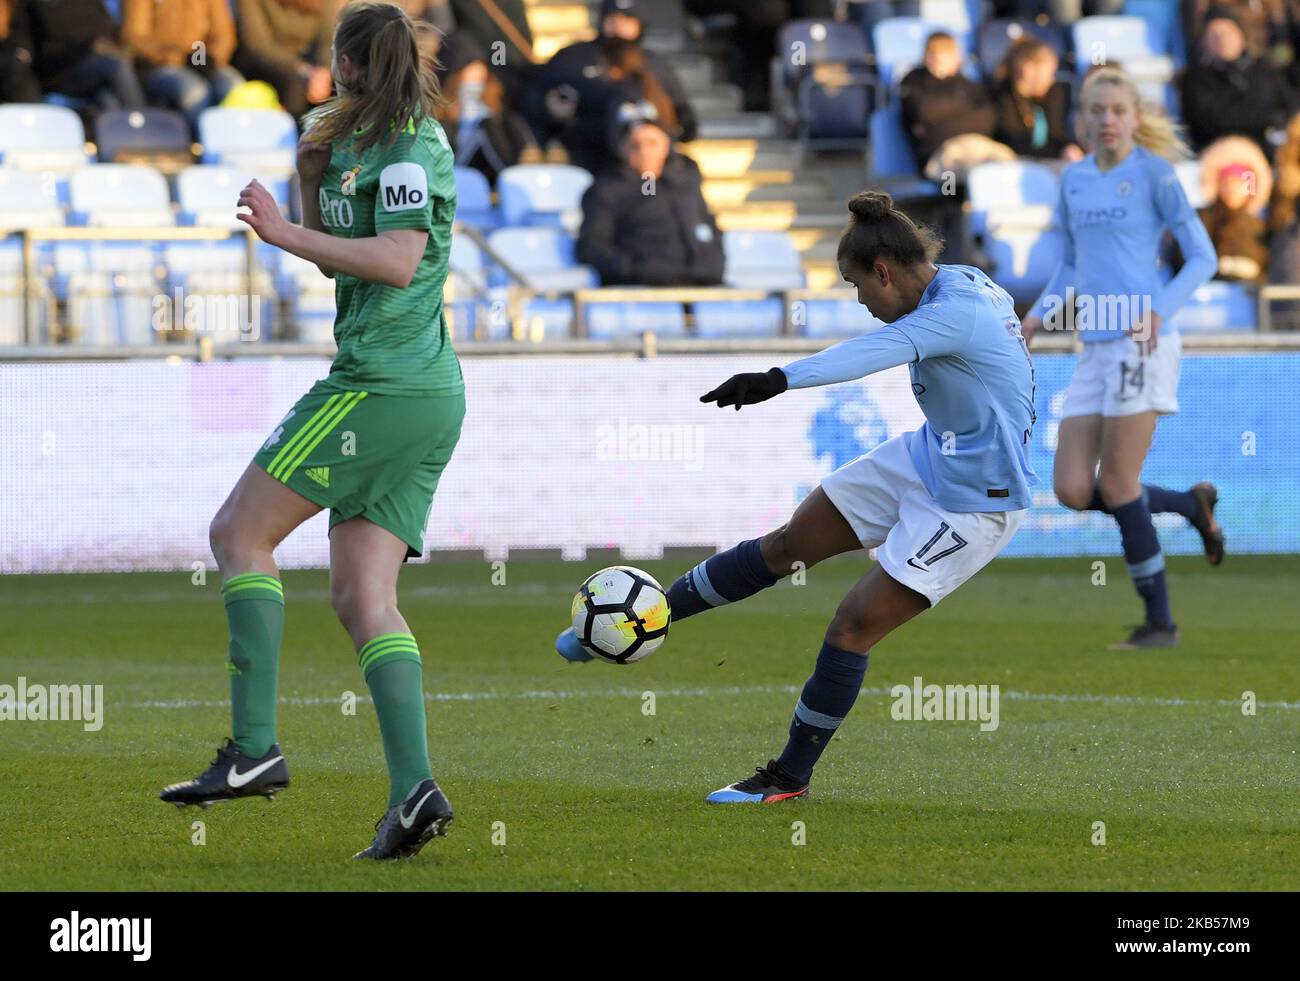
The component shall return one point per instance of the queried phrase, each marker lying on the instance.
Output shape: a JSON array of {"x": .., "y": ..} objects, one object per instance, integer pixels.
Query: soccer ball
[{"x": 621, "y": 614}]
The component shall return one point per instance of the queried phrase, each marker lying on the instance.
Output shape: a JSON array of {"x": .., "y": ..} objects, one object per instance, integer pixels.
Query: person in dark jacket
[
  {"x": 17, "y": 79},
  {"x": 76, "y": 54},
  {"x": 482, "y": 132},
  {"x": 1226, "y": 90},
  {"x": 647, "y": 223},
  {"x": 1032, "y": 106},
  {"x": 949, "y": 119},
  {"x": 568, "y": 97}
]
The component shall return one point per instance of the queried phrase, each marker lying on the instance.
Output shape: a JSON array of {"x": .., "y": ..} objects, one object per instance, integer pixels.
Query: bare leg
[
  {"x": 257, "y": 516},
  {"x": 1074, "y": 468}
]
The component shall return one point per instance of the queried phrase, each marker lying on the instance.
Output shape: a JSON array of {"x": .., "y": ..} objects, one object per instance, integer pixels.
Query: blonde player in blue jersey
[
  {"x": 938, "y": 504},
  {"x": 1115, "y": 206}
]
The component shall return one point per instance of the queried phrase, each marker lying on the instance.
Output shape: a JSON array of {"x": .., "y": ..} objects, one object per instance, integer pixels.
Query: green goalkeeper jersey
[{"x": 394, "y": 341}]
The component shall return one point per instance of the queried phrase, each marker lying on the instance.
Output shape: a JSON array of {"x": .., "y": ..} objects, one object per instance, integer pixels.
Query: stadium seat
[
  {"x": 835, "y": 115},
  {"x": 28, "y": 199},
  {"x": 803, "y": 44},
  {"x": 1218, "y": 306},
  {"x": 156, "y": 136},
  {"x": 208, "y": 194},
  {"x": 1019, "y": 191},
  {"x": 610, "y": 321},
  {"x": 1134, "y": 42},
  {"x": 959, "y": 17},
  {"x": 996, "y": 36},
  {"x": 831, "y": 318},
  {"x": 1163, "y": 17},
  {"x": 892, "y": 159},
  {"x": 543, "y": 194},
  {"x": 1189, "y": 175},
  {"x": 120, "y": 194},
  {"x": 1021, "y": 259},
  {"x": 739, "y": 318},
  {"x": 474, "y": 199},
  {"x": 899, "y": 43},
  {"x": 309, "y": 298},
  {"x": 260, "y": 140},
  {"x": 34, "y": 136},
  {"x": 761, "y": 260},
  {"x": 543, "y": 256},
  {"x": 465, "y": 289}
]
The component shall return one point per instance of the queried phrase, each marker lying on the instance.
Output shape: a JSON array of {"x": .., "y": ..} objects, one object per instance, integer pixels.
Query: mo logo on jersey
[{"x": 403, "y": 187}]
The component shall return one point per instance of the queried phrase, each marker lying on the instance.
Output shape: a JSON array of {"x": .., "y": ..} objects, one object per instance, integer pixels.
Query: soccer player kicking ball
[
  {"x": 370, "y": 440},
  {"x": 938, "y": 504}
]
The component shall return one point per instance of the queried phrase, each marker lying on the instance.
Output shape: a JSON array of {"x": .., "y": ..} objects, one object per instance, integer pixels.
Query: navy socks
[
  {"x": 729, "y": 576},
  {"x": 1146, "y": 563},
  {"x": 1160, "y": 500},
  {"x": 826, "y": 699}
]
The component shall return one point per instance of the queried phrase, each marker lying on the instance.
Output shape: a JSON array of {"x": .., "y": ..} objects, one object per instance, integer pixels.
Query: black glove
[{"x": 747, "y": 389}]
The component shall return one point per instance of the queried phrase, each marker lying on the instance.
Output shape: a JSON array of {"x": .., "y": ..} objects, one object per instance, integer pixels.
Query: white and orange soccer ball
[{"x": 621, "y": 614}]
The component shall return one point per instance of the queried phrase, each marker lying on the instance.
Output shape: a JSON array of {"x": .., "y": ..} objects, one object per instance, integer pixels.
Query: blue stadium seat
[
  {"x": 1163, "y": 17},
  {"x": 892, "y": 159},
  {"x": 1020, "y": 188},
  {"x": 208, "y": 194},
  {"x": 140, "y": 131},
  {"x": 120, "y": 194},
  {"x": 466, "y": 287},
  {"x": 739, "y": 318},
  {"x": 832, "y": 318},
  {"x": 542, "y": 194},
  {"x": 544, "y": 320},
  {"x": 1189, "y": 175},
  {"x": 961, "y": 18},
  {"x": 28, "y": 199},
  {"x": 1218, "y": 306},
  {"x": 35, "y": 136},
  {"x": 544, "y": 256},
  {"x": 803, "y": 44},
  {"x": 1022, "y": 259},
  {"x": 835, "y": 115},
  {"x": 997, "y": 35},
  {"x": 474, "y": 199},
  {"x": 609, "y": 321},
  {"x": 761, "y": 260},
  {"x": 309, "y": 295},
  {"x": 1134, "y": 42},
  {"x": 899, "y": 43},
  {"x": 260, "y": 140}
]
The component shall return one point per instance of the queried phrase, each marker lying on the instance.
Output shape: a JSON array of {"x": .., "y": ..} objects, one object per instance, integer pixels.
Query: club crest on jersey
[
  {"x": 349, "y": 183},
  {"x": 1124, "y": 188}
]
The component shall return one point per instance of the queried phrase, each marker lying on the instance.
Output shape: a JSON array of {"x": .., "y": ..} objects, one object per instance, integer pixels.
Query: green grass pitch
[{"x": 592, "y": 793}]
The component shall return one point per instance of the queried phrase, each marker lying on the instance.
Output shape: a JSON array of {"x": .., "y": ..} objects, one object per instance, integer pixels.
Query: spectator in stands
[
  {"x": 752, "y": 31},
  {"x": 635, "y": 93},
  {"x": 501, "y": 28},
  {"x": 647, "y": 223},
  {"x": 17, "y": 79},
  {"x": 949, "y": 119},
  {"x": 1032, "y": 106},
  {"x": 183, "y": 50},
  {"x": 1228, "y": 90},
  {"x": 287, "y": 43},
  {"x": 1060, "y": 11},
  {"x": 1238, "y": 233},
  {"x": 1283, "y": 215},
  {"x": 568, "y": 98},
  {"x": 1263, "y": 22},
  {"x": 482, "y": 132},
  {"x": 77, "y": 56}
]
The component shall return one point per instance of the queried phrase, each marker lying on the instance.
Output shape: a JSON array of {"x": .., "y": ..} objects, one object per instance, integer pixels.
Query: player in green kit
[{"x": 370, "y": 440}]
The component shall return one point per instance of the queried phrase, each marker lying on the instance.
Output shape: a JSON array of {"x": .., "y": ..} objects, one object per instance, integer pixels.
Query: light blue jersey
[
  {"x": 973, "y": 378},
  {"x": 1112, "y": 223}
]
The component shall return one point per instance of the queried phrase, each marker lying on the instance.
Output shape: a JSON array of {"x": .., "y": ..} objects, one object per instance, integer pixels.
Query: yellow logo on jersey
[
  {"x": 349, "y": 184},
  {"x": 319, "y": 474}
]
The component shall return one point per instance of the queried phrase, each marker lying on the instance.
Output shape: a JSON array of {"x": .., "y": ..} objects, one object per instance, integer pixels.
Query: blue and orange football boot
[{"x": 768, "y": 785}]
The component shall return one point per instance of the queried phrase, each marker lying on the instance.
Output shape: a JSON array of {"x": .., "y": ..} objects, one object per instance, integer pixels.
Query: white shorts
[
  {"x": 919, "y": 543},
  {"x": 1113, "y": 379}
]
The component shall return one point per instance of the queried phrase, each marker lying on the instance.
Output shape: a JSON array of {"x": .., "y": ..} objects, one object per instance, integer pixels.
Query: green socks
[
  {"x": 255, "y": 609},
  {"x": 391, "y": 664}
]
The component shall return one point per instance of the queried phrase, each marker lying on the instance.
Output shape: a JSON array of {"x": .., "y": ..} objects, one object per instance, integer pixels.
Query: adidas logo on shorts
[{"x": 319, "y": 474}]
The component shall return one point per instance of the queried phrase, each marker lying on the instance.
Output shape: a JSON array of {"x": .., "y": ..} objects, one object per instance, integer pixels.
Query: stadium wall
[{"x": 121, "y": 466}]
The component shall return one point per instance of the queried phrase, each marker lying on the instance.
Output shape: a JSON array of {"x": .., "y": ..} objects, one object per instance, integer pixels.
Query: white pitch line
[{"x": 724, "y": 690}]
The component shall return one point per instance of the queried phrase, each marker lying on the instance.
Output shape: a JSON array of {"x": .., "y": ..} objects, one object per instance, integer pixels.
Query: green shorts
[{"x": 366, "y": 455}]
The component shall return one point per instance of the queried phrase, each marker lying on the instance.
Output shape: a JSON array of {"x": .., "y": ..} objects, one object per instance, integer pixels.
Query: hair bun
[{"x": 871, "y": 205}]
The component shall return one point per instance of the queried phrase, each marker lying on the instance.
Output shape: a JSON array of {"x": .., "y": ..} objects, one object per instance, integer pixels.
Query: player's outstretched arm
[{"x": 389, "y": 258}]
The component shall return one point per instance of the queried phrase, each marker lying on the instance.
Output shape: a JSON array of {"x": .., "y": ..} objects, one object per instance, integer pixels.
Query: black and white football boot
[
  {"x": 232, "y": 775},
  {"x": 768, "y": 785},
  {"x": 409, "y": 826}
]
